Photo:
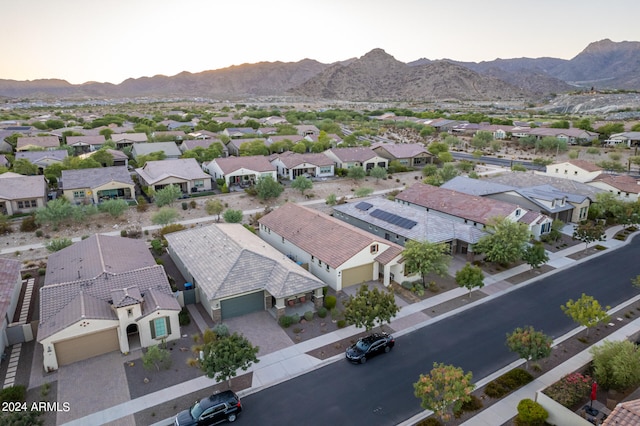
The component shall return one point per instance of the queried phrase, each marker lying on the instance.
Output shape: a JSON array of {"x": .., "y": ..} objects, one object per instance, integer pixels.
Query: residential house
[
  {"x": 104, "y": 294},
  {"x": 290, "y": 165},
  {"x": 93, "y": 186},
  {"x": 628, "y": 139},
  {"x": 572, "y": 136},
  {"x": 233, "y": 146},
  {"x": 239, "y": 274},
  {"x": 29, "y": 143},
  {"x": 238, "y": 132},
  {"x": 307, "y": 130},
  {"x": 184, "y": 173},
  {"x": 338, "y": 253},
  {"x": 399, "y": 223},
  {"x": 43, "y": 159},
  {"x": 273, "y": 120},
  {"x": 407, "y": 154},
  {"x": 173, "y": 125},
  {"x": 169, "y": 135},
  {"x": 334, "y": 140},
  {"x": 294, "y": 139},
  {"x": 21, "y": 194},
  {"x": 10, "y": 286},
  {"x": 170, "y": 149},
  {"x": 119, "y": 157},
  {"x": 204, "y": 134},
  {"x": 242, "y": 171},
  {"x": 625, "y": 413},
  {"x": 473, "y": 210},
  {"x": 346, "y": 158},
  {"x": 82, "y": 144},
  {"x": 189, "y": 144},
  {"x": 624, "y": 187},
  {"x": 578, "y": 170},
  {"x": 124, "y": 140}
]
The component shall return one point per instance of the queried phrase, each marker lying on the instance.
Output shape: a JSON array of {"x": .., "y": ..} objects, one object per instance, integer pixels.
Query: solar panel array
[
  {"x": 394, "y": 219},
  {"x": 363, "y": 205}
]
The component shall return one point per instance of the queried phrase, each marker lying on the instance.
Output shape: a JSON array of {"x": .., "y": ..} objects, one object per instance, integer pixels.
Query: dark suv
[
  {"x": 212, "y": 410},
  {"x": 369, "y": 346}
]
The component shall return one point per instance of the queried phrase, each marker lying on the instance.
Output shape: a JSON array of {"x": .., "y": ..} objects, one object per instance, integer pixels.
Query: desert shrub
[
  {"x": 341, "y": 323},
  {"x": 185, "y": 206},
  {"x": 330, "y": 302},
  {"x": 39, "y": 233},
  {"x": 193, "y": 204},
  {"x": 15, "y": 393},
  {"x": 530, "y": 413},
  {"x": 58, "y": 244},
  {"x": 285, "y": 321},
  {"x": 407, "y": 285},
  {"x": 431, "y": 421},
  {"x": 221, "y": 330},
  {"x": 159, "y": 261},
  {"x": 156, "y": 246},
  {"x": 308, "y": 315},
  {"x": 570, "y": 390},
  {"x": 295, "y": 318},
  {"x": 507, "y": 383},
  {"x": 616, "y": 365},
  {"x": 42, "y": 271},
  {"x": 123, "y": 233},
  {"x": 174, "y": 227},
  {"x": 28, "y": 224},
  {"x": 322, "y": 312},
  {"x": 183, "y": 317},
  {"x": 156, "y": 357},
  {"x": 473, "y": 404}
]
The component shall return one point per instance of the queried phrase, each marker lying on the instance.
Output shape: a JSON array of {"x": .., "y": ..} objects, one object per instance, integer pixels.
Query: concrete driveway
[{"x": 262, "y": 330}]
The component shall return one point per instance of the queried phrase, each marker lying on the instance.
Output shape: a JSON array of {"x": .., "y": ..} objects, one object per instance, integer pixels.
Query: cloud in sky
[{"x": 111, "y": 40}]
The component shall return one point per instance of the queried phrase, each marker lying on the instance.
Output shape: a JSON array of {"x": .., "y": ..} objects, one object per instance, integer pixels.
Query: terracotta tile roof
[
  {"x": 9, "y": 280},
  {"x": 257, "y": 163},
  {"x": 625, "y": 414},
  {"x": 477, "y": 209},
  {"x": 624, "y": 183},
  {"x": 585, "y": 165},
  {"x": 18, "y": 187},
  {"x": 292, "y": 159},
  {"x": 92, "y": 178},
  {"x": 329, "y": 239}
]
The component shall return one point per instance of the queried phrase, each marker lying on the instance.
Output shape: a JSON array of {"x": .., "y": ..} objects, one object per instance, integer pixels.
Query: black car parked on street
[
  {"x": 223, "y": 406},
  {"x": 369, "y": 346}
]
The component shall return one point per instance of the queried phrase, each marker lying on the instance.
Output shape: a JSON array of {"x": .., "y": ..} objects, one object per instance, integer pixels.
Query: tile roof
[
  {"x": 456, "y": 203},
  {"x": 567, "y": 186},
  {"x": 257, "y": 163},
  {"x": 478, "y": 187},
  {"x": 586, "y": 165},
  {"x": 86, "y": 140},
  {"x": 292, "y": 159},
  {"x": 38, "y": 156},
  {"x": 204, "y": 143},
  {"x": 236, "y": 262},
  {"x": 184, "y": 168},
  {"x": 92, "y": 178},
  {"x": 325, "y": 237},
  {"x": 9, "y": 280},
  {"x": 402, "y": 150},
  {"x": 624, "y": 183},
  {"x": 625, "y": 414},
  {"x": 169, "y": 148},
  {"x": 40, "y": 141},
  {"x": 129, "y": 137},
  {"x": 359, "y": 154},
  {"x": 14, "y": 186}
]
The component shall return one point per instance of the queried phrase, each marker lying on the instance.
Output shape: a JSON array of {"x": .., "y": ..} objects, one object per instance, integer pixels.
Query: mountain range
[{"x": 376, "y": 76}]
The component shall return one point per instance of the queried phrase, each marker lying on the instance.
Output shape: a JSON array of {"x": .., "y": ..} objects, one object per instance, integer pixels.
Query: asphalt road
[{"x": 380, "y": 392}]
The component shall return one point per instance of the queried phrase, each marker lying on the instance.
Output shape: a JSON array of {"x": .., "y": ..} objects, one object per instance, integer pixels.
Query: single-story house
[
  {"x": 407, "y": 154},
  {"x": 470, "y": 209},
  {"x": 578, "y": 170},
  {"x": 624, "y": 186},
  {"x": 119, "y": 157},
  {"x": 204, "y": 134},
  {"x": 273, "y": 120},
  {"x": 104, "y": 294},
  {"x": 628, "y": 139},
  {"x": 291, "y": 165},
  {"x": 184, "y": 173},
  {"x": 190, "y": 144},
  {"x": 28, "y": 143},
  {"x": 21, "y": 194},
  {"x": 338, "y": 253},
  {"x": 169, "y": 135},
  {"x": 239, "y": 274},
  {"x": 43, "y": 159},
  {"x": 572, "y": 136},
  {"x": 10, "y": 286},
  {"x": 233, "y": 146},
  {"x": 399, "y": 223},
  {"x": 240, "y": 170},
  {"x": 294, "y": 139},
  {"x": 346, "y": 158},
  {"x": 83, "y": 144},
  {"x": 307, "y": 130},
  {"x": 86, "y": 186},
  {"x": 238, "y": 132},
  {"x": 170, "y": 149},
  {"x": 123, "y": 140}
]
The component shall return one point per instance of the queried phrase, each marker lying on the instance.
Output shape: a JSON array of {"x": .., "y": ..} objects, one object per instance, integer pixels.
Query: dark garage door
[{"x": 242, "y": 305}]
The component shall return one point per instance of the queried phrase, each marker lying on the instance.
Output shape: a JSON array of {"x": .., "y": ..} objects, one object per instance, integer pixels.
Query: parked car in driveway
[
  {"x": 369, "y": 346},
  {"x": 223, "y": 406}
]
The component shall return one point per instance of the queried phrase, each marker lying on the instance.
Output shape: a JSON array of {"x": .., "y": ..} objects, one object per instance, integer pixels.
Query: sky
[{"x": 112, "y": 40}]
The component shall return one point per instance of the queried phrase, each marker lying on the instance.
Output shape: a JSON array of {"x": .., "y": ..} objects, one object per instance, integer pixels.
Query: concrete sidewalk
[{"x": 290, "y": 362}]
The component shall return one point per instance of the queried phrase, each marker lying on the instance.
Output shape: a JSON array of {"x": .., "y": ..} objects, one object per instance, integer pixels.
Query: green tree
[
  {"x": 481, "y": 139},
  {"x": 535, "y": 255},
  {"x": 255, "y": 147},
  {"x": 302, "y": 183},
  {"x": 445, "y": 157},
  {"x": 57, "y": 244},
  {"x": 157, "y": 357},
  {"x": 507, "y": 242},
  {"x": 165, "y": 216},
  {"x": 115, "y": 208},
  {"x": 584, "y": 124},
  {"x": 378, "y": 173},
  {"x": 23, "y": 166},
  {"x": 586, "y": 311},
  {"x": 267, "y": 187},
  {"x": 444, "y": 389},
  {"x": 167, "y": 195},
  {"x": 141, "y": 160},
  {"x": 608, "y": 129},
  {"x": 616, "y": 365},
  {"x": 560, "y": 124},
  {"x": 55, "y": 212},
  {"x": 531, "y": 413},
  {"x": 588, "y": 232},
  {"x": 331, "y": 200},
  {"x": 529, "y": 344},
  {"x": 470, "y": 277},
  {"x": 224, "y": 356},
  {"x": 214, "y": 207},
  {"x": 447, "y": 172},
  {"x": 370, "y": 307},
  {"x": 426, "y": 257},
  {"x": 103, "y": 157},
  {"x": 436, "y": 148},
  {"x": 356, "y": 173},
  {"x": 299, "y": 148},
  {"x": 232, "y": 216}
]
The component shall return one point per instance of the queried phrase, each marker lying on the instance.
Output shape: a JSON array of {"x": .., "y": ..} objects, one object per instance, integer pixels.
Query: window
[
  {"x": 517, "y": 212},
  {"x": 313, "y": 259},
  {"x": 325, "y": 169},
  {"x": 374, "y": 248},
  {"x": 198, "y": 183},
  {"x": 319, "y": 262},
  {"x": 129, "y": 313},
  {"x": 78, "y": 194},
  {"x": 160, "y": 328},
  {"x": 26, "y": 204},
  {"x": 327, "y": 267}
]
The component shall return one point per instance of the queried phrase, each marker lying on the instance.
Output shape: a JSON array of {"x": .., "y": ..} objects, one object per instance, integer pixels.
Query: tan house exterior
[
  {"x": 184, "y": 173},
  {"x": 10, "y": 285},
  {"x": 104, "y": 294},
  {"x": 624, "y": 187},
  {"x": 407, "y": 154},
  {"x": 94, "y": 186},
  {"x": 240, "y": 170},
  {"x": 578, "y": 170},
  {"x": 346, "y": 158},
  {"x": 291, "y": 165},
  {"x": 21, "y": 194}
]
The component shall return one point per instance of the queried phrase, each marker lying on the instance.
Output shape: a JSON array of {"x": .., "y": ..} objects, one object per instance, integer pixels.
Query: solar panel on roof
[
  {"x": 363, "y": 205},
  {"x": 393, "y": 219}
]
